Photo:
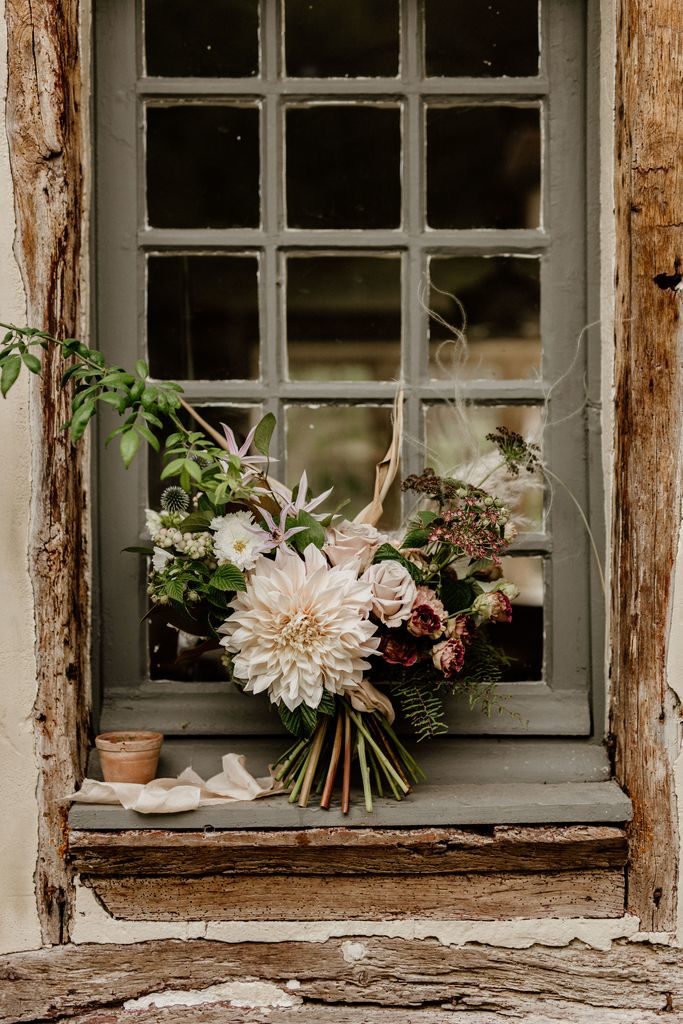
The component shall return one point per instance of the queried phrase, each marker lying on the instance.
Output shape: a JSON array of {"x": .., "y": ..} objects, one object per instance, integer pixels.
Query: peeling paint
[
  {"x": 353, "y": 951},
  {"x": 249, "y": 995}
]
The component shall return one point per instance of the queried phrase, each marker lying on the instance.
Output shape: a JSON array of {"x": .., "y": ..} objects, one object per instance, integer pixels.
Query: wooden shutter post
[
  {"x": 45, "y": 120},
  {"x": 649, "y": 208}
]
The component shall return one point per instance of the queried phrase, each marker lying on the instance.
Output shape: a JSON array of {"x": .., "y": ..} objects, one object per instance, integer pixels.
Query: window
[{"x": 277, "y": 187}]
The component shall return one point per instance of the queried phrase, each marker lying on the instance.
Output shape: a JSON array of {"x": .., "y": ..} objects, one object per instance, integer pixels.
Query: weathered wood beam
[
  {"x": 350, "y": 980},
  {"x": 320, "y": 851},
  {"x": 45, "y": 118},
  {"x": 364, "y": 897},
  {"x": 649, "y": 209}
]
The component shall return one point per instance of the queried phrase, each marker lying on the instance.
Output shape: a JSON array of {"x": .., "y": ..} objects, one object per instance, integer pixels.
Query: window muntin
[{"x": 545, "y": 230}]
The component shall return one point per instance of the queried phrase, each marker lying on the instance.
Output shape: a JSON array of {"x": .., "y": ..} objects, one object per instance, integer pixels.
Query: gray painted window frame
[{"x": 571, "y": 701}]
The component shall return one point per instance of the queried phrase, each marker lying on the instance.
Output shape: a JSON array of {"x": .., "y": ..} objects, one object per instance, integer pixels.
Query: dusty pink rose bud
[
  {"x": 460, "y": 626},
  {"x": 494, "y": 607},
  {"x": 398, "y": 652},
  {"x": 428, "y": 615},
  {"x": 348, "y": 541},
  {"x": 449, "y": 656},
  {"x": 393, "y": 591}
]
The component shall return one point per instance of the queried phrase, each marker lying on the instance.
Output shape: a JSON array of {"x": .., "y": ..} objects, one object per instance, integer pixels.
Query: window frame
[{"x": 575, "y": 707}]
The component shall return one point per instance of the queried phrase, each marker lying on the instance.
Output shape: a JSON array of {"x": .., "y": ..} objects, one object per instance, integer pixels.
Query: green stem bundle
[{"x": 311, "y": 766}]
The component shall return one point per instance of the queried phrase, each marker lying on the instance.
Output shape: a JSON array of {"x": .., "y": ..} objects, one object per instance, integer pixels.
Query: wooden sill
[{"x": 355, "y": 874}]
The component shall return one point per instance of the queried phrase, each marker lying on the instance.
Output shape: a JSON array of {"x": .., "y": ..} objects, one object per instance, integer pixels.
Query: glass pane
[
  {"x": 166, "y": 645},
  {"x": 460, "y": 449},
  {"x": 500, "y": 298},
  {"x": 343, "y": 167},
  {"x": 339, "y": 446},
  {"x": 344, "y": 317},
  {"x": 342, "y": 40},
  {"x": 214, "y": 37},
  {"x": 202, "y": 166},
  {"x": 522, "y": 639},
  {"x": 499, "y": 37},
  {"x": 202, "y": 317},
  {"x": 483, "y": 167}
]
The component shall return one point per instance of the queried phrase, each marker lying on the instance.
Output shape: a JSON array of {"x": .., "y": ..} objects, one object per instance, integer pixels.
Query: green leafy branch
[{"x": 143, "y": 403}]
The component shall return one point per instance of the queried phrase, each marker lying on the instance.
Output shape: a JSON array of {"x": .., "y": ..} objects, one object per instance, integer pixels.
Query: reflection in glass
[
  {"x": 522, "y": 639},
  {"x": 464, "y": 39},
  {"x": 202, "y": 166},
  {"x": 339, "y": 446},
  {"x": 343, "y": 317},
  {"x": 343, "y": 166},
  {"x": 202, "y": 317},
  {"x": 463, "y": 451},
  {"x": 500, "y": 297},
  {"x": 483, "y": 167},
  {"x": 214, "y": 37},
  {"x": 165, "y": 643},
  {"x": 341, "y": 40}
]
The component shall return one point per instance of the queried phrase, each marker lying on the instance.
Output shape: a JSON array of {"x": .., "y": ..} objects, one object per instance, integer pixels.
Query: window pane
[
  {"x": 339, "y": 446},
  {"x": 522, "y": 639},
  {"x": 483, "y": 167},
  {"x": 213, "y": 37},
  {"x": 344, "y": 317},
  {"x": 461, "y": 450},
  {"x": 202, "y": 317},
  {"x": 202, "y": 166},
  {"x": 343, "y": 167},
  {"x": 342, "y": 40},
  {"x": 499, "y": 37},
  {"x": 500, "y": 298}
]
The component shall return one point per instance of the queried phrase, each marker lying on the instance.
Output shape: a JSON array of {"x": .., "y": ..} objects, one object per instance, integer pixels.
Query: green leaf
[
  {"x": 175, "y": 589},
  {"x": 456, "y": 594},
  {"x": 139, "y": 550},
  {"x": 264, "y": 433},
  {"x": 328, "y": 704},
  {"x": 301, "y": 722},
  {"x": 173, "y": 468},
  {"x": 129, "y": 444},
  {"x": 416, "y": 538},
  {"x": 193, "y": 469},
  {"x": 313, "y": 534},
  {"x": 80, "y": 419},
  {"x": 10, "y": 371},
  {"x": 149, "y": 437},
  {"x": 388, "y": 553},
  {"x": 141, "y": 368},
  {"x": 31, "y": 362},
  {"x": 196, "y": 522},
  {"x": 228, "y": 577}
]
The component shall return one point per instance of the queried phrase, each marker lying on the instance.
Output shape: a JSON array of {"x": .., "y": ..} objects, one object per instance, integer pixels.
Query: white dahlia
[{"x": 300, "y": 628}]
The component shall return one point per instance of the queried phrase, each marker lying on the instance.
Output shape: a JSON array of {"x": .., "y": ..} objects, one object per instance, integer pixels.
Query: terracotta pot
[{"x": 129, "y": 756}]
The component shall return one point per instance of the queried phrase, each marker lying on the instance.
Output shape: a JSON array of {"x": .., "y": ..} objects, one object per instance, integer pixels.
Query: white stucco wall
[{"x": 18, "y": 920}]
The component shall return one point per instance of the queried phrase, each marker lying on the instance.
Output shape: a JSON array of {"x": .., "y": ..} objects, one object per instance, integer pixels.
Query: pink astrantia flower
[{"x": 428, "y": 615}]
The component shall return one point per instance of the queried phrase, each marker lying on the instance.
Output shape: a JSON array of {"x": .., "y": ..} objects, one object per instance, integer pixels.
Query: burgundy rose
[
  {"x": 449, "y": 656},
  {"x": 398, "y": 652},
  {"x": 428, "y": 615}
]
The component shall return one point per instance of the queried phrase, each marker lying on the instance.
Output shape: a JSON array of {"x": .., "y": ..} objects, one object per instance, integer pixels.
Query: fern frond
[{"x": 422, "y": 707}]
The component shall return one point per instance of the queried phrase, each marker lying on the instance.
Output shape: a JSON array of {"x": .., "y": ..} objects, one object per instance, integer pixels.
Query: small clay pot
[{"x": 129, "y": 756}]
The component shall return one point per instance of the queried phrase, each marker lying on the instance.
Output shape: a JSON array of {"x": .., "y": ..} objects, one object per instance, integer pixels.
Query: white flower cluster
[{"x": 196, "y": 545}]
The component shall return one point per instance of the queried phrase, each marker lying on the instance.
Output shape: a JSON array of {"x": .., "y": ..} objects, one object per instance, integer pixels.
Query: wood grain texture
[
  {"x": 318, "y": 851},
  {"x": 390, "y": 980},
  {"x": 649, "y": 200},
  {"x": 366, "y": 897},
  {"x": 44, "y": 127}
]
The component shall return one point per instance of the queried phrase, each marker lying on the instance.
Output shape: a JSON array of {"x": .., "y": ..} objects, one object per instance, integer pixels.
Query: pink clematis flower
[
  {"x": 276, "y": 533},
  {"x": 241, "y": 452}
]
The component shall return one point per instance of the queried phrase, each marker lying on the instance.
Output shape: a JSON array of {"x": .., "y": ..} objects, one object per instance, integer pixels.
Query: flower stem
[
  {"x": 288, "y": 759},
  {"x": 365, "y": 774},
  {"x": 346, "y": 777},
  {"x": 334, "y": 763},
  {"x": 411, "y": 764},
  {"x": 312, "y": 761},
  {"x": 383, "y": 760}
]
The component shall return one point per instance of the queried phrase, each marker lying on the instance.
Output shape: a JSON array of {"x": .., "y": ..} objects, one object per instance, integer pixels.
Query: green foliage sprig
[{"x": 143, "y": 403}]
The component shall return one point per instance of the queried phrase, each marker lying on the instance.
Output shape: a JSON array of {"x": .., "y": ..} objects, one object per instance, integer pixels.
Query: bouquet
[{"x": 335, "y": 623}]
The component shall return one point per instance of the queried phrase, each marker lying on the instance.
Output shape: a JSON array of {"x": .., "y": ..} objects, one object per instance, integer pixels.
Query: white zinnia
[
  {"x": 237, "y": 539},
  {"x": 300, "y": 628}
]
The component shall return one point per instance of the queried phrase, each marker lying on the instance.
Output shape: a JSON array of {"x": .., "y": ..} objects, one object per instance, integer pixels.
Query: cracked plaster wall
[{"x": 18, "y": 920}]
